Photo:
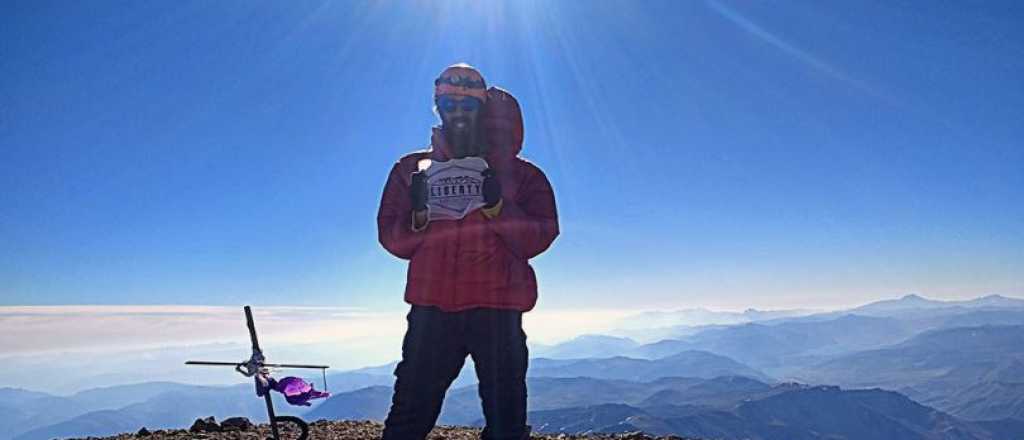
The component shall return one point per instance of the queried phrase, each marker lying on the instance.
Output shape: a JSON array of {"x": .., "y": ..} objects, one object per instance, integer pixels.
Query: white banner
[{"x": 455, "y": 187}]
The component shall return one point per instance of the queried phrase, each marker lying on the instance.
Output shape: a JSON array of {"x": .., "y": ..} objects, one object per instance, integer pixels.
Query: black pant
[{"x": 433, "y": 352}]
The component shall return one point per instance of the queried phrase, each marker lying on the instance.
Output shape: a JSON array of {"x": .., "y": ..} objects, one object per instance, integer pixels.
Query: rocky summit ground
[{"x": 350, "y": 430}]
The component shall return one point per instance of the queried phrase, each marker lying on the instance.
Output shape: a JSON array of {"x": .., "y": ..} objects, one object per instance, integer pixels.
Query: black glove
[
  {"x": 491, "y": 189},
  {"x": 418, "y": 191}
]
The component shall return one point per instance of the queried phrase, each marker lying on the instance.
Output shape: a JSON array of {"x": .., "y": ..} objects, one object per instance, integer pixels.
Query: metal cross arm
[
  {"x": 255, "y": 366},
  {"x": 231, "y": 364}
]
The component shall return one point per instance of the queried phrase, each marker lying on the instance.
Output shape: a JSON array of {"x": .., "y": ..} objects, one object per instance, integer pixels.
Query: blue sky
[{"x": 704, "y": 153}]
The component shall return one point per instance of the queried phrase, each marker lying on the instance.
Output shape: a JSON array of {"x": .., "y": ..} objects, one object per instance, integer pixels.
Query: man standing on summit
[{"x": 469, "y": 281}]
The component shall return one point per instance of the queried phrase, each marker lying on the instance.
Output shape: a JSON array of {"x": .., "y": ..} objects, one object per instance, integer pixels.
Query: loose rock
[
  {"x": 236, "y": 424},
  {"x": 208, "y": 424}
]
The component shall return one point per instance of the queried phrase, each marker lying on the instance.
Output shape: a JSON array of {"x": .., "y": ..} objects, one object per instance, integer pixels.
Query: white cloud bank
[{"x": 64, "y": 349}]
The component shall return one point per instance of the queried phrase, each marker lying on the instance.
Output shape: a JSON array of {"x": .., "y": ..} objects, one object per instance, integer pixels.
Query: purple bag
[{"x": 296, "y": 391}]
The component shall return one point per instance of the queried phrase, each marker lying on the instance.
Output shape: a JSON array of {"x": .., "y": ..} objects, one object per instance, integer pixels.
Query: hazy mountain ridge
[
  {"x": 694, "y": 363},
  {"x": 799, "y": 412},
  {"x": 175, "y": 408},
  {"x": 923, "y": 347},
  {"x": 652, "y": 326},
  {"x": 924, "y": 357},
  {"x": 782, "y": 347},
  {"x": 165, "y": 409},
  {"x": 588, "y": 346},
  {"x": 793, "y": 412},
  {"x": 27, "y": 410},
  {"x": 751, "y": 410},
  {"x": 988, "y": 400},
  {"x": 917, "y": 302},
  {"x": 944, "y": 368},
  {"x": 462, "y": 405},
  {"x": 778, "y": 348}
]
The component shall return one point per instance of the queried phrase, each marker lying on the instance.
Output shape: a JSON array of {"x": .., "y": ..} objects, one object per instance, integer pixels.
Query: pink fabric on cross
[{"x": 296, "y": 391}]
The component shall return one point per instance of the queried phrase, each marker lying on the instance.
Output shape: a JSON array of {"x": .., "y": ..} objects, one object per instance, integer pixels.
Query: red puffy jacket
[{"x": 475, "y": 261}]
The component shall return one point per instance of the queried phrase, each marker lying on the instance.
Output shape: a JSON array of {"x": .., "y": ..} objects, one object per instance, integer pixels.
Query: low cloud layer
[
  {"x": 46, "y": 329},
  {"x": 63, "y": 349}
]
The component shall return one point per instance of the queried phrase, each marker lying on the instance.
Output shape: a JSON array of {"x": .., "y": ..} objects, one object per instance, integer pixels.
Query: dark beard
[{"x": 462, "y": 142}]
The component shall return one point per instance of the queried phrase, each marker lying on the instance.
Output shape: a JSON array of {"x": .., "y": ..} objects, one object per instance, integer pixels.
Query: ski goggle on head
[
  {"x": 448, "y": 104},
  {"x": 460, "y": 81}
]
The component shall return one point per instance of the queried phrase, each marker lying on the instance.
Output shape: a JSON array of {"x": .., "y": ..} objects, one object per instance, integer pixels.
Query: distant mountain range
[
  {"x": 148, "y": 404},
  {"x": 462, "y": 405},
  {"x": 724, "y": 407},
  {"x": 917, "y": 304},
  {"x": 910, "y": 368},
  {"x": 946, "y": 368},
  {"x": 25, "y": 410},
  {"x": 819, "y": 413},
  {"x": 782, "y": 347},
  {"x": 652, "y": 326},
  {"x": 586, "y": 346},
  {"x": 690, "y": 363}
]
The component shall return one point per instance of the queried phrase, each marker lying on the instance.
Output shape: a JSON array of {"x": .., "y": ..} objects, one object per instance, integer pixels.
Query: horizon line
[{"x": 193, "y": 308}]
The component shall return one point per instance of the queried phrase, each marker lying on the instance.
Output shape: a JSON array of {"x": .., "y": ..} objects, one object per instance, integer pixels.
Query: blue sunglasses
[{"x": 447, "y": 104}]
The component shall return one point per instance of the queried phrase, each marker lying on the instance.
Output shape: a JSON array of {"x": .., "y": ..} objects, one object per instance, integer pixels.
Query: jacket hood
[{"x": 503, "y": 123}]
